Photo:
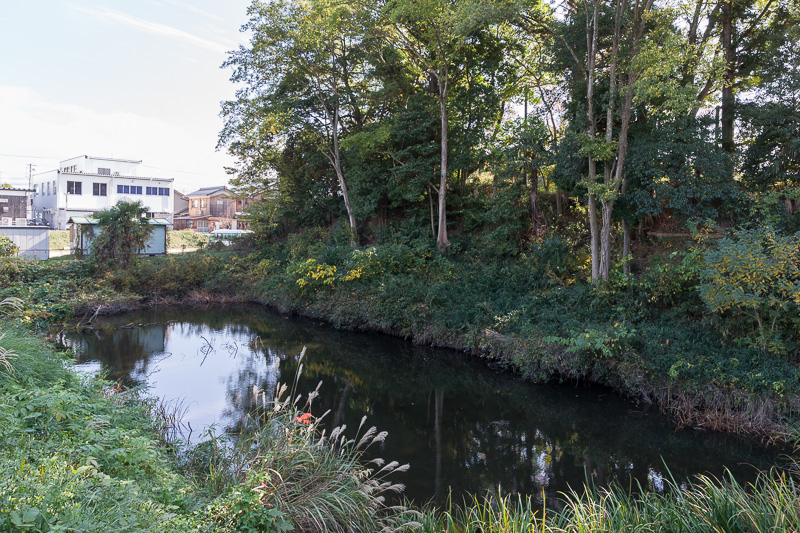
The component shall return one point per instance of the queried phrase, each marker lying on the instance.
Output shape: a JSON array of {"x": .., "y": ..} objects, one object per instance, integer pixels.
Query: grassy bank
[{"x": 78, "y": 455}]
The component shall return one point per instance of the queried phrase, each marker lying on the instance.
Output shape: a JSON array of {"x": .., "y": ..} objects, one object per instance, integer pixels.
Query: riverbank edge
[{"x": 759, "y": 417}]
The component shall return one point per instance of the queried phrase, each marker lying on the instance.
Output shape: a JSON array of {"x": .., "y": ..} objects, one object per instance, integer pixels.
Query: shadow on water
[{"x": 460, "y": 425}]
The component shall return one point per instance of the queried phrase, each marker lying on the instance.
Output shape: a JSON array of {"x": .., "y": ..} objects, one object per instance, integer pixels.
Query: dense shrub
[
  {"x": 7, "y": 247},
  {"x": 755, "y": 276}
]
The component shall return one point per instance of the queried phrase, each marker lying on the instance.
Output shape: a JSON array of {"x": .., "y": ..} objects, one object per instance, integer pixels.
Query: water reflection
[{"x": 460, "y": 425}]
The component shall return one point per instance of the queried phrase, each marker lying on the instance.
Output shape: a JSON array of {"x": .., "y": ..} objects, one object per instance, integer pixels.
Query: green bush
[
  {"x": 7, "y": 247},
  {"x": 755, "y": 276}
]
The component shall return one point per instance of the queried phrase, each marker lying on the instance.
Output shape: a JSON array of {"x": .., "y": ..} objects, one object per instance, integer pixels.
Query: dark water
[{"x": 459, "y": 424}]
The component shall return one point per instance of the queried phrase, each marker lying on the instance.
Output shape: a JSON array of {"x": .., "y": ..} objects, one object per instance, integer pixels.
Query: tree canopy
[{"x": 430, "y": 117}]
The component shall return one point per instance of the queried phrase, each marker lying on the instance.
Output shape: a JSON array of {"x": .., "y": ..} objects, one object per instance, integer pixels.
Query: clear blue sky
[{"x": 129, "y": 79}]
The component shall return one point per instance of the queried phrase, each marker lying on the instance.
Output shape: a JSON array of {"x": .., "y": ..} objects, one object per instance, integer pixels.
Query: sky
[{"x": 135, "y": 79}]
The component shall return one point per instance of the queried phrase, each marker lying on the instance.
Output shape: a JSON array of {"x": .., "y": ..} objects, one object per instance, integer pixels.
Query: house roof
[
  {"x": 209, "y": 191},
  {"x": 92, "y": 221}
]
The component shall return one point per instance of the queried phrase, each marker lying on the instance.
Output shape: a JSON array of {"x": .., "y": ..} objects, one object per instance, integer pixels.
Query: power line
[
  {"x": 27, "y": 156},
  {"x": 181, "y": 171}
]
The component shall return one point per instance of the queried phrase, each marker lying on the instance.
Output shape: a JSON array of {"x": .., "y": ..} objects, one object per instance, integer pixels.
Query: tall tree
[
  {"x": 430, "y": 34},
  {"x": 301, "y": 75}
]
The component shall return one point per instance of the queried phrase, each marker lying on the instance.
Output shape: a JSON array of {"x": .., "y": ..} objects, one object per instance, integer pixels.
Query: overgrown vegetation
[{"x": 186, "y": 239}]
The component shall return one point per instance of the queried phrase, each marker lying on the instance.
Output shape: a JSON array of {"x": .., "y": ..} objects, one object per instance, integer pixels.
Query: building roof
[
  {"x": 103, "y": 159},
  {"x": 112, "y": 176},
  {"x": 18, "y": 189},
  {"x": 92, "y": 221},
  {"x": 209, "y": 191}
]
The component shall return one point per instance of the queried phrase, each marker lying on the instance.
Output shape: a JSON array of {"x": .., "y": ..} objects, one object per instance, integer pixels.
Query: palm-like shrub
[{"x": 124, "y": 231}]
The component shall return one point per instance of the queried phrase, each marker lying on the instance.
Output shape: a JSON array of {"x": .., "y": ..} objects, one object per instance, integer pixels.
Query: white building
[{"x": 84, "y": 185}]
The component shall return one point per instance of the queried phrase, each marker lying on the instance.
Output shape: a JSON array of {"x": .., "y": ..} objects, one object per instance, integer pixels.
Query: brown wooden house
[{"x": 212, "y": 208}]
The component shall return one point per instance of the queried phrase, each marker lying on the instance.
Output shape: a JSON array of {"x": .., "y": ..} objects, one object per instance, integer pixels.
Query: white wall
[
  {"x": 60, "y": 206},
  {"x": 44, "y": 204},
  {"x": 33, "y": 242}
]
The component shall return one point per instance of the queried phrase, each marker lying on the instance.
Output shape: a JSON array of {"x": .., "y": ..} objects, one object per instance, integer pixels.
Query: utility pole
[{"x": 30, "y": 211}]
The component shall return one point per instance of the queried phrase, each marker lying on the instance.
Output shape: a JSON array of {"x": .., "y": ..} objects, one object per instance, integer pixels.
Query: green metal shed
[{"x": 81, "y": 241}]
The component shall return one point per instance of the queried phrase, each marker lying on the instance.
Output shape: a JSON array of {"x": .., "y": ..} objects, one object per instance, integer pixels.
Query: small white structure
[
  {"x": 83, "y": 185},
  {"x": 227, "y": 236},
  {"x": 83, "y": 229},
  {"x": 33, "y": 241}
]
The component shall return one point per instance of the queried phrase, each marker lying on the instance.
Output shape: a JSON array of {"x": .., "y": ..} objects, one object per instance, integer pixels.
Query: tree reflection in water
[{"x": 461, "y": 426}]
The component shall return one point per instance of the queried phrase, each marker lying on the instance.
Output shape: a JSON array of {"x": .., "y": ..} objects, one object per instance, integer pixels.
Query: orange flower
[{"x": 303, "y": 419}]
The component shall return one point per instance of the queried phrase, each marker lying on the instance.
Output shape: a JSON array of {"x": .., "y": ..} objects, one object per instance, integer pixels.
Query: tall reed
[{"x": 317, "y": 480}]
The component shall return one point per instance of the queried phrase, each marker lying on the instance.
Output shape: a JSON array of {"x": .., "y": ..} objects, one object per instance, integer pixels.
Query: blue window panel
[
  {"x": 163, "y": 191},
  {"x": 151, "y": 191},
  {"x": 119, "y": 189}
]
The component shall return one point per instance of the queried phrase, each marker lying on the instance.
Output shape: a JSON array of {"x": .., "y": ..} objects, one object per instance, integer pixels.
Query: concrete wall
[{"x": 33, "y": 241}]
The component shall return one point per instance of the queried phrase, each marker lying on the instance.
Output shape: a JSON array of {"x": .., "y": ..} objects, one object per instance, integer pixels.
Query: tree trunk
[
  {"x": 441, "y": 238},
  {"x": 534, "y": 196},
  {"x": 608, "y": 204},
  {"x": 728, "y": 79},
  {"x": 605, "y": 239},
  {"x": 558, "y": 202},
  {"x": 591, "y": 46},
  {"x": 337, "y": 164},
  {"x": 626, "y": 248},
  {"x": 595, "y": 232}
]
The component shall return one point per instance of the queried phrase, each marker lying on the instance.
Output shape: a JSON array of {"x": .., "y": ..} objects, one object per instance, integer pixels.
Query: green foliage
[
  {"x": 124, "y": 231},
  {"x": 252, "y": 516},
  {"x": 755, "y": 274},
  {"x": 77, "y": 455},
  {"x": 7, "y": 247},
  {"x": 606, "y": 343}
]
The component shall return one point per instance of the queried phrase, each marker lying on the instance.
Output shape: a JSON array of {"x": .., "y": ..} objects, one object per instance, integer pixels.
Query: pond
[{"x": 462, "y": 426}]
